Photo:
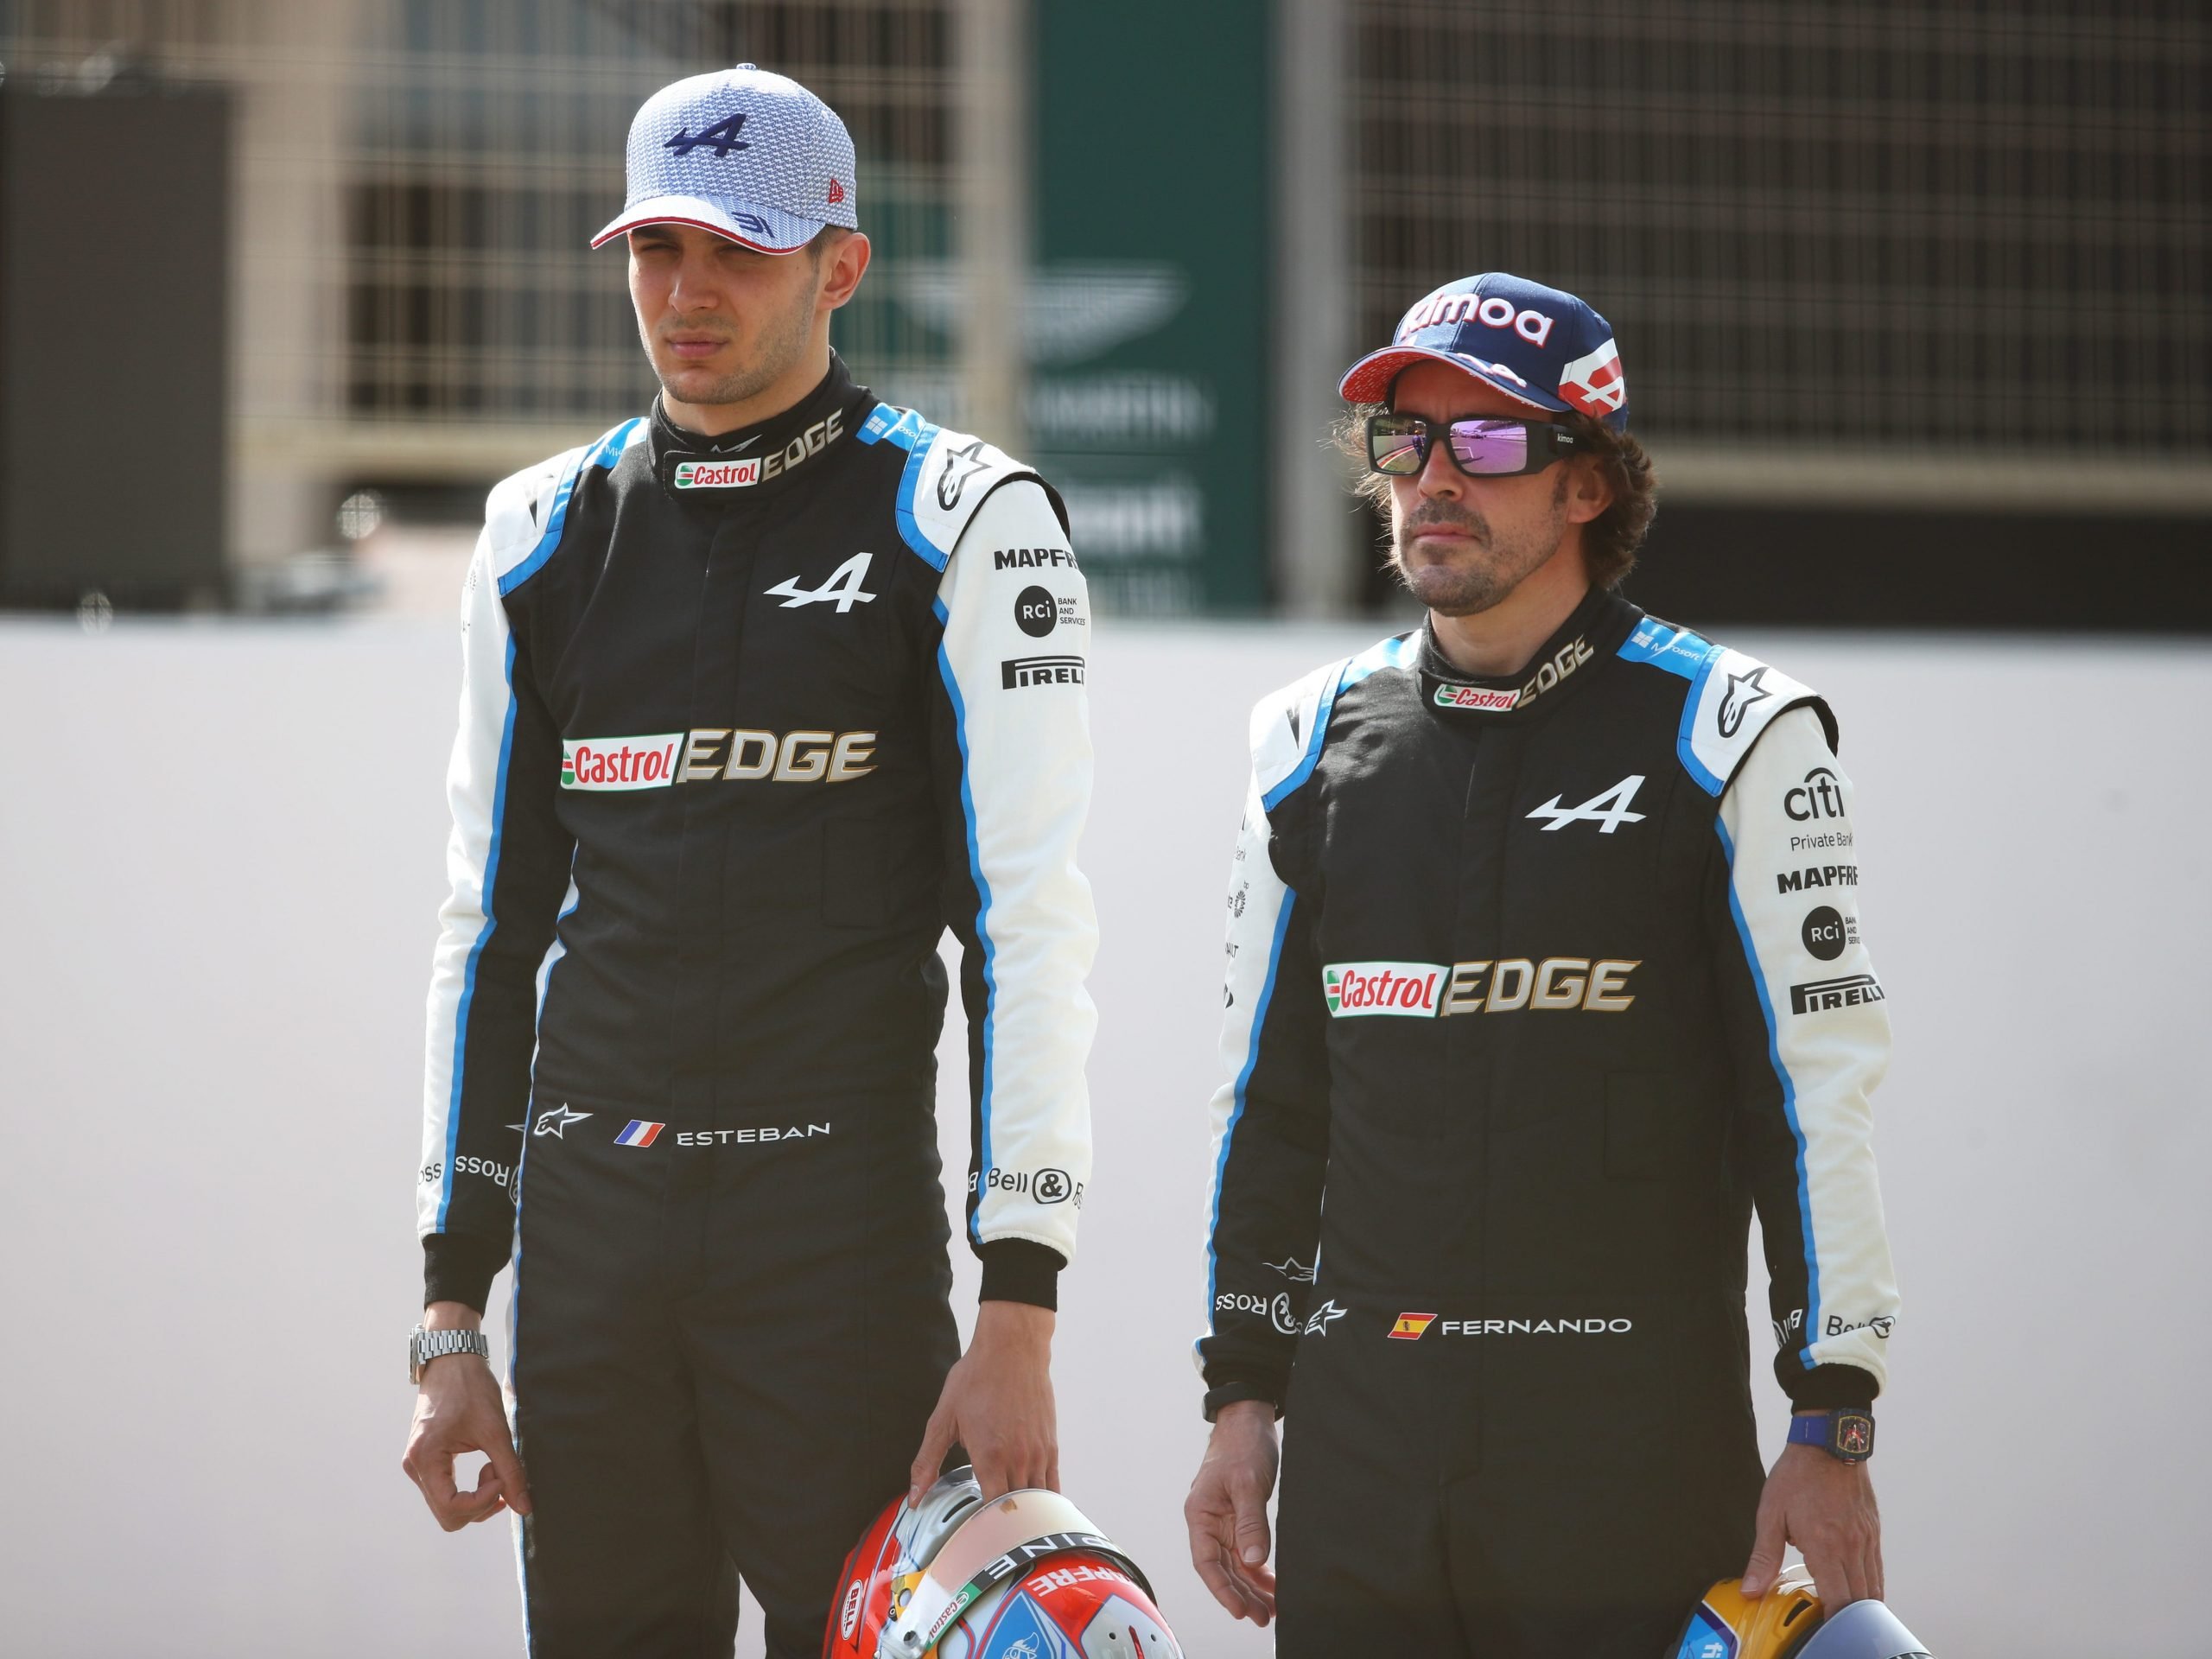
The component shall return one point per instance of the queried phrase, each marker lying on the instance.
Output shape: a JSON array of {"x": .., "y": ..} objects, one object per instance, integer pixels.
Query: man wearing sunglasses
[{"x": 1544, "y": 971}]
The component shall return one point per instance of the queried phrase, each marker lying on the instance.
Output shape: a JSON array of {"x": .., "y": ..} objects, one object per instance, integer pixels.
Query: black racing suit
[
  {"x": 745, "y": 724},
  {"x": 1543, "y": 984}
]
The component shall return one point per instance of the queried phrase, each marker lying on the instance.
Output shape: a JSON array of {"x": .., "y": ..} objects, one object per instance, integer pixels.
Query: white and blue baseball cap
[
  {"x": 747, "y": 155},
  {"x": 1542, "y": 345}
]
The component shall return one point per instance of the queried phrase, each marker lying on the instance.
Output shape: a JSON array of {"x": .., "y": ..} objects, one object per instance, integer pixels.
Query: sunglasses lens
[
  {"x": 1495, "y": 446},
  {"x": 1397, "y": 445}
]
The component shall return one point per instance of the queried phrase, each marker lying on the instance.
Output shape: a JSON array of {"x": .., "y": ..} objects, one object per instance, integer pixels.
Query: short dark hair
[
  {"x": 824, "y": 240},
  {"x": 1610, "y": 541}
]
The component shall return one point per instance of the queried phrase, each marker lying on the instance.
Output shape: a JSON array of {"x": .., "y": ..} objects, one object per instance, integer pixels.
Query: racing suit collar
[
  {"x": 741, "y": 464},
  {"x": 1562, "y": 664}
]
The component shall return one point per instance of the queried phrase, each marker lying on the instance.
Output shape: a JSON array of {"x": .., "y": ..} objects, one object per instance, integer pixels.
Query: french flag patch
[{"x": 639, "y": 1134}]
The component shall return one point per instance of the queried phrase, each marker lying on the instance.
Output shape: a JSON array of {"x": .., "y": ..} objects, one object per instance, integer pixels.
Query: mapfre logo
[
  {"x": 1407, "y": 988},
  {"x": 716, "y": 475},
  {"x": 616, "y": 763}
]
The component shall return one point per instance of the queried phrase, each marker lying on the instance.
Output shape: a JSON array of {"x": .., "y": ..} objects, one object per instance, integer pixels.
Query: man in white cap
[{"x": 762, "y": 691}]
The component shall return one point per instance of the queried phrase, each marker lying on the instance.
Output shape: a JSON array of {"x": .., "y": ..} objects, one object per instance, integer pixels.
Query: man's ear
[
  {"x": 1589, "y": 490},
  {"x": 847, "y": 263}
]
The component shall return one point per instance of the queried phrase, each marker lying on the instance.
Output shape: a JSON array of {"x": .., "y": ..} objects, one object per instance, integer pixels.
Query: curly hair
[{"x": 1610, "y": 541}]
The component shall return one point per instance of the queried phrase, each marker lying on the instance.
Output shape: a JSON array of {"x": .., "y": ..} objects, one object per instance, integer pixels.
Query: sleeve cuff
[
  {"x": 1831, "y": 1387},
  {"x": 1018, "y": 1270},
  {"x": 1229, "y": 1393},
  {"x": 460, "y": 1267}
]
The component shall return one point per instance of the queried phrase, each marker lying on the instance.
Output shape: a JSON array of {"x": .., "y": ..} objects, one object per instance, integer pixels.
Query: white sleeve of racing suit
[
  {"x": 1013, "y": 660},
  {"x": 1785, "y": 821},
  {"x": 472, "y": 779}
]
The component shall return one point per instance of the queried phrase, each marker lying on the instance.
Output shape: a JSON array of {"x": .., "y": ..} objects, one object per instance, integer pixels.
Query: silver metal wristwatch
[{"x": 423, "y": 1347}]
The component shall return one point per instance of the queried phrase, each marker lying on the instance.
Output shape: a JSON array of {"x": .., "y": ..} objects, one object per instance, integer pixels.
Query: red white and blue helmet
[{"x": 1024, "y": 1577}]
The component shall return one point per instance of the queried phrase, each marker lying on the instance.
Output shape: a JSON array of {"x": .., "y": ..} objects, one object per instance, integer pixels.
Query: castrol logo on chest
[
  {"x": 1402, "y": 988},
  {"x": 619, "y": 762}
]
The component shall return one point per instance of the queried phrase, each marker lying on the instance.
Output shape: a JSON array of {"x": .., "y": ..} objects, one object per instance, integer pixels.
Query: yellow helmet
[{"x": 1786, "y": 1623}]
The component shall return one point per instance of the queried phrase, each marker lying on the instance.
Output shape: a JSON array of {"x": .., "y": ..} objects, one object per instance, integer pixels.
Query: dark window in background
[{"x": 1922, "y": 230}]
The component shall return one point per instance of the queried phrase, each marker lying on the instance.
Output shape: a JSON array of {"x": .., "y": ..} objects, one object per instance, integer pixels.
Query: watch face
[{"x": 1855, "y": 1435}]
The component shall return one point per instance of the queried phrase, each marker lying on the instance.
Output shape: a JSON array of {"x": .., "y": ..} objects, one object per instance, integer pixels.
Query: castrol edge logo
[
  {"x": 715, "y": 752},
  {"x": 618, "y": 762},
  {"x": 1402, "y": 988},
  {"x": 716, "y": 475},
  {"x": 1423, "y": 990}
]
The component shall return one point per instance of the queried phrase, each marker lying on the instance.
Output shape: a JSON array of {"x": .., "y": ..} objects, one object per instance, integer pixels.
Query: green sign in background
[{"x": 1149, "y": 330}]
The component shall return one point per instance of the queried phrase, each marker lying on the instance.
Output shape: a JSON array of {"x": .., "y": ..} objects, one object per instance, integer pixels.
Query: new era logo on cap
[
  {"x": 1540, "y": 345},
  {"x": 750, "y": 155}
]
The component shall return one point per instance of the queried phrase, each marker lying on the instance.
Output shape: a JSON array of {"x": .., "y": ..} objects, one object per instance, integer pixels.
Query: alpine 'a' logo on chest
[
  {"x": 1608, "y": 810},
  {"x": 843, "y": 588}
]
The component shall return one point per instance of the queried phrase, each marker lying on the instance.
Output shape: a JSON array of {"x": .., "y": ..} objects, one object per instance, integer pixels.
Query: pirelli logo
[
  {"x": 1041, "y": 670},
  {"x": 1846, "y": 993}
]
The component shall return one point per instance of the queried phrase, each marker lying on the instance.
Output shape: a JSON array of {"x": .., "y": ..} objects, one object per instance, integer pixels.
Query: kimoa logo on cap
[{"x": 1531, "y": 325}]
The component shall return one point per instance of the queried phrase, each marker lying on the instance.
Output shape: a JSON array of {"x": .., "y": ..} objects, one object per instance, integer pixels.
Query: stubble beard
[
  {"x": 1485, "y": 574},
  {"x": 782, "y": 343}
]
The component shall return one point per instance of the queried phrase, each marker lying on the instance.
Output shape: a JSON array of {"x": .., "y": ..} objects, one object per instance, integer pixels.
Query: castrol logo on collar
[{"x": 716, "y": 475}]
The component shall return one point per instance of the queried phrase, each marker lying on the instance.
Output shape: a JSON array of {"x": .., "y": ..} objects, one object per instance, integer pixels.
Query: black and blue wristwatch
[{"x": 1844, "y": 1434}]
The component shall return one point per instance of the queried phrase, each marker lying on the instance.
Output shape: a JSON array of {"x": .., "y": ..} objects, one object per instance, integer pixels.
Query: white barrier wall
[{"x": 221, "y": 847}]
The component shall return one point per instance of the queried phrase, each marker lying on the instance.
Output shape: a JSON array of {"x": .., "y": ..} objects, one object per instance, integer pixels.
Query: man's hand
[
  {"x": 998, "y": 1403},
  {"x": 1227, "y": 1511},
  {"x": 1826, "y": 1507},
  {"x": 459, "y": 1410}
]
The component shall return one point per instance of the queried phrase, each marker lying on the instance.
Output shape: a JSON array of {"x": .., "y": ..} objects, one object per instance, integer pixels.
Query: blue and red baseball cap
[
  {"x": 745, "y": 154},
  {"x": 1539, "y": 344}
]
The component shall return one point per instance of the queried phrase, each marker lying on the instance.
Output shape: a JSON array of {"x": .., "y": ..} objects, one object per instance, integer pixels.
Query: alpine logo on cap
[{"x": 722, "y": 137}]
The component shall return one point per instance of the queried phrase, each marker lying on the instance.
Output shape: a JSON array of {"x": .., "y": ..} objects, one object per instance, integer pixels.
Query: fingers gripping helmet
[
  {"x": 1025, "y": 1577},
  {"x": 1786, "y": 1624}
]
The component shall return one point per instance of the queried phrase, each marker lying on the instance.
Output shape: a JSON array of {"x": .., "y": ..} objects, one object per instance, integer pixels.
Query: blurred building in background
[{"x": 1913, "y": 300}]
